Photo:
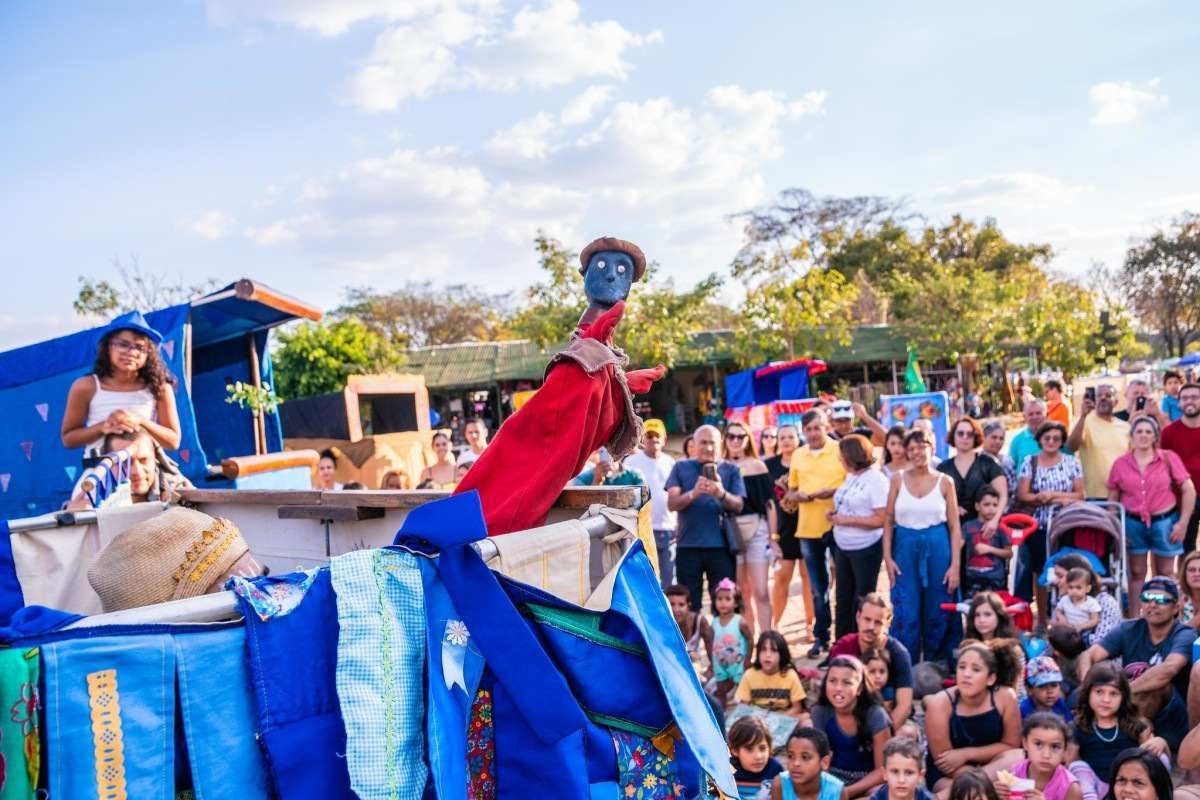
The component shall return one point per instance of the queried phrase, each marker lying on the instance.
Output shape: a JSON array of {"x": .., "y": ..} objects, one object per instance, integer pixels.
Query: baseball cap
[
  {"x": 655, "y": 426},
  {"x": 1163, "y": 584},
  {"x": 1042, "y": 670},
  {"x": 841, "y": 409}
]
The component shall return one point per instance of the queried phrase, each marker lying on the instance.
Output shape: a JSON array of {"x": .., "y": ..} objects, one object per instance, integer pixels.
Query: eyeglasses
[
  {"x": 126, "y": 346},
  {"x": 735, "y": 437},
  {"x": 963, "y": 432},
  {"x": 1158, "y": 598}
]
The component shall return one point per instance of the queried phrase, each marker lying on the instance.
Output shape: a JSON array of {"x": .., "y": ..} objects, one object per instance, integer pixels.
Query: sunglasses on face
[
  {"x": 735, "y": 437},
  {"x": 964, "y": 432},
  {"x": 1157, "y": 598},
  {"x": 126, "y": 346}
]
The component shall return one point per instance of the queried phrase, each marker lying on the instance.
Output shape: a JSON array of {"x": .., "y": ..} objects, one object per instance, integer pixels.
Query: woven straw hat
[{"x": 178, "y": 553}]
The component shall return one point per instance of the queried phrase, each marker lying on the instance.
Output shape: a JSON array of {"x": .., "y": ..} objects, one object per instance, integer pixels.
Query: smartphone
[
  {"x": 710, "y": 471},
  {"x": 1090, "y": 394},
  {"x": 1141, "y": 403}
]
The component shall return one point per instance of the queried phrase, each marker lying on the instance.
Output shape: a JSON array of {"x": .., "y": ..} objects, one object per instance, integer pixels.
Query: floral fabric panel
[
  {"x": 19, "y": 751},
  {"x": 645, "y": 772},
  {"x": 481, "y": 749}
]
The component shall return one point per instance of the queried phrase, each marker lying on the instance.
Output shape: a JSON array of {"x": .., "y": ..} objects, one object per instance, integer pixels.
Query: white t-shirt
[
  {"x": 467, "y": 456},
  {"x": 655, "y": 471},
  {"x": 1078, "y": 614},
  {"x": 859, "y": 496}
]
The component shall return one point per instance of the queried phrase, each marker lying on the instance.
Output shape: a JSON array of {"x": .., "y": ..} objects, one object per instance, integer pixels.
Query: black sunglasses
[{"x": 735, "y": 436}]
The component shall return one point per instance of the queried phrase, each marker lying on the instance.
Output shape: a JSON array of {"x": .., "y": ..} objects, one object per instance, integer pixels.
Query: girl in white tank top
[
  {"x": 920, "y": 512},
  {"x": 105, "y": 401}
]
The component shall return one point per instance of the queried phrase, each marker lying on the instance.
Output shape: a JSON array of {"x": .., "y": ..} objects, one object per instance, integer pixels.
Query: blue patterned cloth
[{"x": 380, "y": 672}]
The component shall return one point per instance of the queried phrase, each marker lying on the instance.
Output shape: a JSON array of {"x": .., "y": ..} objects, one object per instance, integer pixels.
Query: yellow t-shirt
[
  {"x": 1104, "y": 441},
  {"x": 775, "y": 692},
  {"x": 811, "y": 472}
]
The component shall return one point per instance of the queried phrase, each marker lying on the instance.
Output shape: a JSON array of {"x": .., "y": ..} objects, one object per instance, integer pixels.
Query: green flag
[{"x": 913, "y": 382}]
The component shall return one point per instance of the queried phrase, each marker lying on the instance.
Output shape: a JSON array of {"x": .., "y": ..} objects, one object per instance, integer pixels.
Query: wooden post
[{"x": 260, "y": 428}]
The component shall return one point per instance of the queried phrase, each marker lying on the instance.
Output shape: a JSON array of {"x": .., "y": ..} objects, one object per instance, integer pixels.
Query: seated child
[
  {"x": 1044, "y": 738},
  {"x": 903, "y": 766},
  {"x": 986, "y": 556},
  {"x": 731, "y": 640},
  {"x": 1077, "y": 607},
  {"x": 692, "y": 625},
  {"x": 806, "y": 777},
  {"x": 972, "y": 784},
  {"x": 1043, "y": 683},
  {"x": 878, "y": 663},
  {"x": 848, "y": 712},
  {"x": 772, "y": 682},
  {"x": 750, "y": 755}
]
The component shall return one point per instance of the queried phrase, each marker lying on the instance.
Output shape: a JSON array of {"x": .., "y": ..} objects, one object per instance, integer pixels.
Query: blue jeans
[
  {"x": 919, "y": 623},
  {"x": 815, "y": 552}
]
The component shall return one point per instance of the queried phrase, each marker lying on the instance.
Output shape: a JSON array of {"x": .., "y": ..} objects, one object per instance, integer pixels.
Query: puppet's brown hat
[{"x": 620, "y": 245}]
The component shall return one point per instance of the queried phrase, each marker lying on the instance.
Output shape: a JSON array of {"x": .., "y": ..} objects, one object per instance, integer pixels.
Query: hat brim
[{"x": 149, "y": 333}]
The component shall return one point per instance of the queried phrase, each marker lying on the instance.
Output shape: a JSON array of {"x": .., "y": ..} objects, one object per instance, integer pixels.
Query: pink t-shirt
[
  {"x": 1056, "y": 788},
  {"x": 1149, "y": 492}
]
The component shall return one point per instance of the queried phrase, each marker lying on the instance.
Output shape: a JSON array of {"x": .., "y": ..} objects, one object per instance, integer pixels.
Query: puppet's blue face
[{"x": 608, "y": 278}]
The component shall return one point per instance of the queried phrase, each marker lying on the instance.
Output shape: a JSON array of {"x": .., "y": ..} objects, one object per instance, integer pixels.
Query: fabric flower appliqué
[{"x": 456, "y": 633}]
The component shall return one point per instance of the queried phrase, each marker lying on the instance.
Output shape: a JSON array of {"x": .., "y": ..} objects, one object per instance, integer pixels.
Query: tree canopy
[
  {"x": 1161, "y": 278},
  {"x": 316, "y": 358}
]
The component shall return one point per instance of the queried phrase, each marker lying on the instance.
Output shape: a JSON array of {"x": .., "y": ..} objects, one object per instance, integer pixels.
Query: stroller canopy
[{"x": 1083, "y": 515}]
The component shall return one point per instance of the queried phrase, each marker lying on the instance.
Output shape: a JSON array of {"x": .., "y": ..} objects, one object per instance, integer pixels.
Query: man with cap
[
  {"x": 656, "y": 466},
  {"x": 585, "y": 403},
  {"x": 841, "y": 422},
  {"x": 177, "y": 554},
  {"x": 1156, "y": 651},
  {"x": 130, "y": 389}
]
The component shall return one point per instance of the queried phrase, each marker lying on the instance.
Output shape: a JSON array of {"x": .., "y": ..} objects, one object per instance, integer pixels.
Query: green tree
[
  {"x": 801, "y": 316},
  {"x": 551, "y": 308},
  {"x": 419, "y": 314},
  {"x": 1161, "y": 276},
  {"x": 315, "y": 358},
  {"x": 135, "y": 289}
]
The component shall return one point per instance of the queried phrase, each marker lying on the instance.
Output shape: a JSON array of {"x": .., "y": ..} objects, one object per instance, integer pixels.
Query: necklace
[{"x": 1116, "y": 732}]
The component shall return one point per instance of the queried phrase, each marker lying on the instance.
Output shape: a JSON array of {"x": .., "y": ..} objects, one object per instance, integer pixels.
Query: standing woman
[
  {"x": 441, "y": 473},
  {"x": 130, "y": 389},
  {"x": 768, "y": 442},
  {"x": 994, "y": 434},
  {"x": 779, "y": 466},
  {"x": 754, "y": 562},
  {"x": 1146, "y": 481},
  {"x": 895, "y": 458},
  {"x": 922, "y": 549},
  {"x": 859, "y": 509},
  {"x": 971, "y": 471},
  {"x": 1046, "y": 481}
]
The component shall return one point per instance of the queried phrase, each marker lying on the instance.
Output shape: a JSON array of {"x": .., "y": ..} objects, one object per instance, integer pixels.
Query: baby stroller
[{"x": 1090, "y": 527}]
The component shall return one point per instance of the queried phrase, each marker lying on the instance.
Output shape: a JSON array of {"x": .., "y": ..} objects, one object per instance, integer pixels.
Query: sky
[{"x": 319, "y": 144}]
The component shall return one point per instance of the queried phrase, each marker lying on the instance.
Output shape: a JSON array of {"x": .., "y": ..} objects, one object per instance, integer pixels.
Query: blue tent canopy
[
  {"x": 776, "y": 380},
  {"x": 206, "y": 345}
]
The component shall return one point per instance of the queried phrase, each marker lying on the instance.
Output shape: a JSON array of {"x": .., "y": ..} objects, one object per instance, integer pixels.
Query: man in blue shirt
[
  {"x": 702, "y": 503},
  {"x": 1025, "y": 443}
]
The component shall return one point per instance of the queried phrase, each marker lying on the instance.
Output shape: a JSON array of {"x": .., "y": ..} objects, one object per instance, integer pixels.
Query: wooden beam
[{"x": 332, "y": 513}]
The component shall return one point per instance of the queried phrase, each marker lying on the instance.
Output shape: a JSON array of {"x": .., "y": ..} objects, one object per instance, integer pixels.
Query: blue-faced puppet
[{"x": 609, "y": 267}]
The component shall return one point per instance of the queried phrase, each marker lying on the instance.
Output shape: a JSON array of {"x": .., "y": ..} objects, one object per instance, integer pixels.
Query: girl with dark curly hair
[{"x": 130, "y": 389}]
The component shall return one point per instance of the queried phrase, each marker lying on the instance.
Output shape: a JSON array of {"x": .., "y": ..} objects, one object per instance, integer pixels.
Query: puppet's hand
[
  {"x": 640, "y": 380},
  {"x": 602, "y": 329}
]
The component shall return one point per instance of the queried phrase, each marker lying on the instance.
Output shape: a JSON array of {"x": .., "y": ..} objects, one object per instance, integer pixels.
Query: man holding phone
[
  {"x": 702, "y": 490},
  {"x": 1099, "y": 438},
  {"x": 1139, "y": 402}
]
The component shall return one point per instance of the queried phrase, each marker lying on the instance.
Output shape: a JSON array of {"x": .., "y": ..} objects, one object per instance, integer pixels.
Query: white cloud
[
  {"x": 1122, "y": 102},
  {"x": 1007, "y": 190},
  {"x": 473, "y": 46},
  {"x": 213, "y": 224},
  {"x": 583, "y": 106},
  {"x": 326, "y": 17},
  {"x": 662, "y": 173}
]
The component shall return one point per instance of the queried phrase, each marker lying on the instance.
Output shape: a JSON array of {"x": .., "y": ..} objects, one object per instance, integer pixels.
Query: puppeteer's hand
[{"x": 640, "y": 380}]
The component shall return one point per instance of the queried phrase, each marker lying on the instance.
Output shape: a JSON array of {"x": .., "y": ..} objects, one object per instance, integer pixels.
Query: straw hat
[{"x": 178, "y": 553}]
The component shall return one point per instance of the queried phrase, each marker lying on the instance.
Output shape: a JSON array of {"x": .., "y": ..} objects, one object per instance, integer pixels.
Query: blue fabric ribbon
[{"x": 11, "y": 596}]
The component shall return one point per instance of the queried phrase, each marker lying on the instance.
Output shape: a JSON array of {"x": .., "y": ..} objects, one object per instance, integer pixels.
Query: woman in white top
[
  {"x": 859, "y": 509},
  {"x": 130, "y": 389},
  {"x": 922, "y": 547}
]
